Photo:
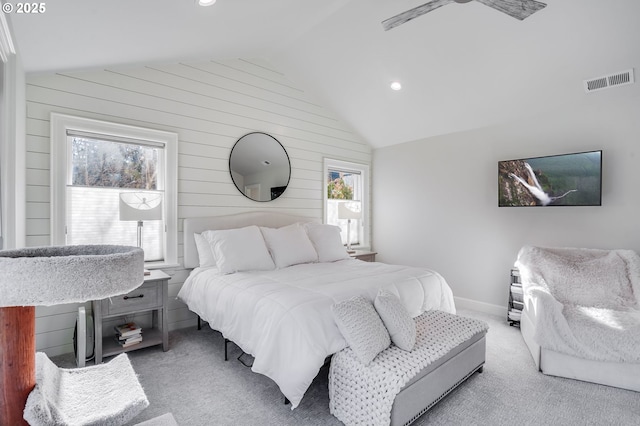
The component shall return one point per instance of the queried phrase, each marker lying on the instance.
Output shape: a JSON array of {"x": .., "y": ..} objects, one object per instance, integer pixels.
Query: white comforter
[{"x": 283, "y": 317}]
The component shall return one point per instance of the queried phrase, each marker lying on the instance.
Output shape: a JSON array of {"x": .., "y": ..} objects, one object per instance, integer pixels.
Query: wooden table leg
[{"x": 17, "y": 361}]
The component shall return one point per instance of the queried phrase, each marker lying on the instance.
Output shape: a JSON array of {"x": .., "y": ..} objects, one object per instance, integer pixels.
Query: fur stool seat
[{"x": 106, "y": 394}]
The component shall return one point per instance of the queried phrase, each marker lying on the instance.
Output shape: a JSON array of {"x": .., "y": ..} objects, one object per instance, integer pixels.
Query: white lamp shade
[
  {"x": 137, "y": 206},
  {"x": 345, "y": 212}
]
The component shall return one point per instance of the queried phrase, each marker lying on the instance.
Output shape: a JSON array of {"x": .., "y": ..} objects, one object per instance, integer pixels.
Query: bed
[{"x": 282, "y": 316}]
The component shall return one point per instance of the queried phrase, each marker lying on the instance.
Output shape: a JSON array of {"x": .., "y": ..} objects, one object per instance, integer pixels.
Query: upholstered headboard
[{"x": 260, "y": 218}]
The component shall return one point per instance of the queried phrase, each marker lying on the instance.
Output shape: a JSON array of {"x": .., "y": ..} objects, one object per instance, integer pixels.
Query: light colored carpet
[
  {"x": 195, "y": 384},
  {"x": 166, "y": 419}
]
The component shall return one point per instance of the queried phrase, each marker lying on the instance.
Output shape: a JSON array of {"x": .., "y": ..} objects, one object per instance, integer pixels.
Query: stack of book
[
  {"x": 516, "y": 301},
  {"x": 128, "y": 334}
]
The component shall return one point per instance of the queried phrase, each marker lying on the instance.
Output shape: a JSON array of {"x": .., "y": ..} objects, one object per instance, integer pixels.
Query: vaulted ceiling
[{"x": 462, "y": 66}]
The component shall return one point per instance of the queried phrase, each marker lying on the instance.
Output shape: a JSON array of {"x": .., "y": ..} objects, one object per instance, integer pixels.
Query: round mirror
[{"x": 259, "y": 166}]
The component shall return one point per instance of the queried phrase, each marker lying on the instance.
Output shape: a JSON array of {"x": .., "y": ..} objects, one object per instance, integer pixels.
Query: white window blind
[{"x": 93, "y": 218}]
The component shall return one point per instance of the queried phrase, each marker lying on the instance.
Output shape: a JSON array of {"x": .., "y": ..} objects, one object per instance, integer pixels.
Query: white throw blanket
[
  {"x": 585, "y": 301},
  {"x": 364, "y": 395}
]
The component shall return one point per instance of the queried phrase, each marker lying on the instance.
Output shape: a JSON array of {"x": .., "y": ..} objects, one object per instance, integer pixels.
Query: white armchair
[{"x": 581, "y": 317}]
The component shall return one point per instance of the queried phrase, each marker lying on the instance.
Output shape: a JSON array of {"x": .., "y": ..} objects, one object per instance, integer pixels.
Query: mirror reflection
[{"x": 259, "y": 166}]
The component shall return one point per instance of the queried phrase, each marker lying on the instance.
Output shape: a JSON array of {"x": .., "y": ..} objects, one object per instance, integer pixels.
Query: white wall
[
  {"x": 209, "y": 105},
  {"x": 435, "y": 200}
]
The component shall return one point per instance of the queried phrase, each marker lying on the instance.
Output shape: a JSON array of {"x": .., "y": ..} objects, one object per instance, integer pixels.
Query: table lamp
[
  {"x": 346, "y": 212},
  {"x": 45, "y": 276},
  {"x": 140, "y": 206}
]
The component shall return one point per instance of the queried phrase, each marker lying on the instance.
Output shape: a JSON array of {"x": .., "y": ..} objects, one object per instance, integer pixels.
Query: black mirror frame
[{"x": 280, "y": 189}]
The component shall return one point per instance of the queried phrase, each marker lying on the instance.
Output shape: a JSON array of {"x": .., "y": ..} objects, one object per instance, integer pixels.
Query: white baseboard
[{"x": 474, "y": 305}]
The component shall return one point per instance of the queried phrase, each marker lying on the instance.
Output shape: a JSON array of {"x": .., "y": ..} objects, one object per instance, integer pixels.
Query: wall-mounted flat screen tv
[{"x": 555, "y": 180}]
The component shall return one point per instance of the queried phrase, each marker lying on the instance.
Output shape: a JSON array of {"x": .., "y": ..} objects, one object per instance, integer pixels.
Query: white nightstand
[
  {"x": 367, "y": 256},
  {"x": 152, "y": 296}
]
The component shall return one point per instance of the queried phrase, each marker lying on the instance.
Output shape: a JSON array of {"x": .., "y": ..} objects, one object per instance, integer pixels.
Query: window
[
  {"x": 347, "y": 182},
  {"x": 104, "y": 175}
]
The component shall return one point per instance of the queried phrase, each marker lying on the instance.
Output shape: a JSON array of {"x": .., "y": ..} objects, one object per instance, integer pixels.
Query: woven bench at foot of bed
[{"x": 399, "y": 386}]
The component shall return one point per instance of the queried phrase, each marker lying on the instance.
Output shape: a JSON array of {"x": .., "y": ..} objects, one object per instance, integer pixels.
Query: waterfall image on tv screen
[{"x": 557, "y": 180}]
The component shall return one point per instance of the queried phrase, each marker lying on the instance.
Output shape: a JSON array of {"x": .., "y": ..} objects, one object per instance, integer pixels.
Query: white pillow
[
  {"x": 289, "y": 245},
  {"x": 204, "y": 251},
  {"x": 241, "y": 249},
  {"x": 396, "y": 318},
  {"x": 361, "y": 327},
  {"x": 327, "y": 242}
]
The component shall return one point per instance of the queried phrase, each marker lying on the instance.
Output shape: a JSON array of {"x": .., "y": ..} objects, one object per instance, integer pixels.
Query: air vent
[{"x": 618, "y": 79}]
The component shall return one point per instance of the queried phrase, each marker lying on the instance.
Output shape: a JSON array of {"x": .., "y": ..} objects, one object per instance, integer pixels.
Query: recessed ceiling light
[
  {"x": 395, "y": 85},
  {"x": 206, "y": 2}
]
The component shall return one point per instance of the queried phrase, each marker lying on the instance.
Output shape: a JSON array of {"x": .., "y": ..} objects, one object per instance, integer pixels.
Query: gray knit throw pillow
[
  {"x": 361, "y": 327},
  {"x": 396, "y": 318}
]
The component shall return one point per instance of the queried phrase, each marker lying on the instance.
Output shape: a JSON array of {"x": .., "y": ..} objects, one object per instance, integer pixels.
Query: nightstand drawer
[{"x": 140, "y": 299}]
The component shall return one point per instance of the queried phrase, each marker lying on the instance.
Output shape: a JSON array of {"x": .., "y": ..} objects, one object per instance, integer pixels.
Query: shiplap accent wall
[{"x": 209, "y": 105}]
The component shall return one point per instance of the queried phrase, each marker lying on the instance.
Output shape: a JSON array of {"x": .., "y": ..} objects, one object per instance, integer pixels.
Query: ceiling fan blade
[
  {"x": 410, "y": 14},
  {"x": 519, "y": 9}
]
